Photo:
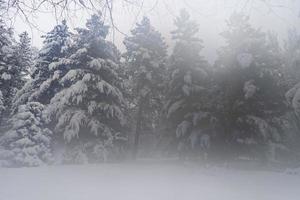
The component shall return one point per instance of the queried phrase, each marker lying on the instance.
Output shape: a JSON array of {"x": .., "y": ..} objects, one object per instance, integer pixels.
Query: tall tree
[
  {"x": 11, "y": 70},
  {"x": 24, "y": 143},
  {"x": 145, "y": 60},
  {"x": 88, "y": 105},
  {"x": 251, "y": 89},
  {"x": 6, "y": 48},
  {"x": 188, "y": 109},
  {"x": 24, "y": 53},
  {"x": 291, "y": 55},
  {"x": 27, "y": 141},
  {"x": 39, "y": 87}
]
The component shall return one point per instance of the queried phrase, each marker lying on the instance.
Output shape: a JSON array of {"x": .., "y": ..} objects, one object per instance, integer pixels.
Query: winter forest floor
[{"x": 145, "y": 182}]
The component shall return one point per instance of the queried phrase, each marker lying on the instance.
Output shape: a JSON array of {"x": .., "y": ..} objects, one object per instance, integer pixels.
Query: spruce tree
[
  {"x": 38, "y": 88},
  {"x": 28, "y": 142},
  {"x": 290, "y": 122},
  {"x": 292, "y": 64},
  {"x": 188, "y": 109},
  {"x": 251, "y": 90},
  {"x": 145, "y": 60},
  {"x": 26, "y": 123},
  {"x": 87, "y": 108},
  {"x": 24, "y": 53},
  {"x": 24, "y": 142},
  {"x": 5, "y": 55},
  {"x": 11, "y": 79}
]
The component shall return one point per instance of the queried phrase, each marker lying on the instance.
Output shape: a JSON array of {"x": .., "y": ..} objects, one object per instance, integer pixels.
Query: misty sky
[{"x": 211, "y": 15}]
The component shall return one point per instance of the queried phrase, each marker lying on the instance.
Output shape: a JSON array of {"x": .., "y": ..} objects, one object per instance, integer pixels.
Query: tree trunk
[{"x": 137, "y": 130}]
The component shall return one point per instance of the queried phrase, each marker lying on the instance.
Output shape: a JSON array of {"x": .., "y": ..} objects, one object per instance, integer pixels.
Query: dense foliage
[{"x": 80, "y": 100}]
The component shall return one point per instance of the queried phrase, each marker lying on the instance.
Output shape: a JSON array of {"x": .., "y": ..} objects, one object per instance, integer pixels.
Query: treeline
[{"x": 79, "y": 95}]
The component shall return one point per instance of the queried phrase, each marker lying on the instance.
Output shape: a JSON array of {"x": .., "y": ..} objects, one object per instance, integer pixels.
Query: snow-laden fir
[{"x": 79, "y": 100}]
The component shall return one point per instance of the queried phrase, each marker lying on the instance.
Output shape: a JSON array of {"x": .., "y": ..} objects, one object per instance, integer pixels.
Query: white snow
[
  {"x": 6, "y": 76},
  {"x": 145, "y": 182},
  {"x": 249, "y": 89},
  {"x": 174, "y": 107}
]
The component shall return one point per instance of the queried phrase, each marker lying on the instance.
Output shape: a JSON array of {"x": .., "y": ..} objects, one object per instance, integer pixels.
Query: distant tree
[
  {"x": 251, "y": 88},
  {"x": 291, "y": 121},
  {"x": 145, "y": 59},
  {"x": 188, "y": 103},
  {"x": 292, "y": 65}
]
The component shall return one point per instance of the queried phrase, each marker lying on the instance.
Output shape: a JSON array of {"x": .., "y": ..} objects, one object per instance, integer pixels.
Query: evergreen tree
[
  {"x": 27, "y": 143},
  {"x": 39, "y": 87},
  {"x": 26, "y": 124},
  {"x": 291, "y": 120},
  {"x": 250, "y": 86},
  {"x": 145, "y": 60},
  {"x": 291, "y": 55},
  {"x": 188, "y": 110},
  {"x": 292, "y": 64},
  {"x": 11, "y": 78},
  {"x": 5, "y": 43},
  {"x": 24, "y": 54},
  {"x": 88, "y": 105}
]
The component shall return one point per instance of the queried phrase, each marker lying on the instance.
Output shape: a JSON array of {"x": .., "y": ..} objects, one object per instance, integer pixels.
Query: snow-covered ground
[{"x": 145, "y": 182}]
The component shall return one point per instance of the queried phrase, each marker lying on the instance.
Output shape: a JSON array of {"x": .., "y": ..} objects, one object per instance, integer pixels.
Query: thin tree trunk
[{"x": 137, "y": 130}]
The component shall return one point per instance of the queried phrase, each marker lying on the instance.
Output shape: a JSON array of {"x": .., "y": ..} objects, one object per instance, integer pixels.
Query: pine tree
[
  {"x": 5, "y": 43},
  {"x": 145, "y": 60},
  {"x": 27, "y": 143},
  {"x": 290, "y": 122},
  {"x": 11, "y": 72},
  {"x": 250, "y": 86},
  {"x": 291, "y": 56},
  {"x": 26, "y": 123},
  {"x": 88, "y": 105},
  {"x": 188, "y": 109},
  {"x": 39, "y": 87},
  {"x": 292, "y": 62},
  {"x": 24, "y": 54}
]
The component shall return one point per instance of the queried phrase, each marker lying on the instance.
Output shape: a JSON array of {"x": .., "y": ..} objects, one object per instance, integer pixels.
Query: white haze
[
  {"x": 145, "y": 182},
  {"x": 278, "y": 16}
]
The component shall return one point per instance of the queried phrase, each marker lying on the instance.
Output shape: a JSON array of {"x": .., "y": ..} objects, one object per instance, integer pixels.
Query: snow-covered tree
[
  {"x": 251, "y": 93},
  {"x": 291, "y": 56},
  {"x": 34, "y": 93},
  {"x": 291, "y": 120},
  {"x": 27, "y": 143},
  {"x": 292, "y": 65},
  {"x": 88, "y": 105},
  {"x": 11, "y": 73},
  {"x": 188, "y": 109},
  {"x": 145, "y": 59},
  {"x": 24, "y": 53},
  {"x": 39, "y": 87}
]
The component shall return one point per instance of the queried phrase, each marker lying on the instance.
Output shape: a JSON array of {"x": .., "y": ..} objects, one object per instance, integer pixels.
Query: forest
[{"x": 79, "y": 99}]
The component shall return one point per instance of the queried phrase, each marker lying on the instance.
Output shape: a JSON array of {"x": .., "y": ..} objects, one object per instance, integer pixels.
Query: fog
[
  {"x": 277, "y": 16},
  {"x": 152, "y": 99},
  {"x": 146, "y": 182}
]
